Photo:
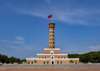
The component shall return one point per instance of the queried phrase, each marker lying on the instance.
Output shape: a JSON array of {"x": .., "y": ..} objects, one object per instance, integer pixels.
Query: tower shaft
[{"x": 51, "y": 35}]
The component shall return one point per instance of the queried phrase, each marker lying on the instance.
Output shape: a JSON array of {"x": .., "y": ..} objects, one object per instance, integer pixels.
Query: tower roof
[{"x": 51, "y": 25}]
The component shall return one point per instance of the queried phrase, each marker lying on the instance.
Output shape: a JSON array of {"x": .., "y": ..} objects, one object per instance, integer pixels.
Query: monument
[{"x": 52, "y": 55}]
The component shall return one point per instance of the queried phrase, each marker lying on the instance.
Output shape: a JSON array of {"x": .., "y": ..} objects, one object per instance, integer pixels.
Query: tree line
[
  {"x": 6, "y": 59},
  {"x": 90, "y": 57}
]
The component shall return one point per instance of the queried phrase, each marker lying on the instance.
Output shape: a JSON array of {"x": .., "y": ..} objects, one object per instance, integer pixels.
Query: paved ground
[{"x": 68, "y": 67}]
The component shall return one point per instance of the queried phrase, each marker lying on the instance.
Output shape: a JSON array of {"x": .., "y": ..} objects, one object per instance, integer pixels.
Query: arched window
[
  {"x": 44, "y": 62},
  {"x": 47, "y": 62},
  {"x": 51, "y": 52},
  {"x": 57, "y": 62},
  {"x": 60, "y": 62},
  {"x": 35, "y": 61}
]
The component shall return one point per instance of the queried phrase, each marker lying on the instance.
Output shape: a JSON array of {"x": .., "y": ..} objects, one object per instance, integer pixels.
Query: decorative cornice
[
  {"x": 51, "y": 48},
  {"x": 31, "y": 59},
  {"x": 51, "y": 54}
]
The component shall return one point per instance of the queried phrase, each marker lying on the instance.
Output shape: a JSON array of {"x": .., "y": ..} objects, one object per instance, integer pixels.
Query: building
[{"x": 52, "y": 55}]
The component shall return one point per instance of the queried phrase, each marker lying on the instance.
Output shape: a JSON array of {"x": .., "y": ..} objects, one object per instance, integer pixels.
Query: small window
[{"x": 52, "y": 57}]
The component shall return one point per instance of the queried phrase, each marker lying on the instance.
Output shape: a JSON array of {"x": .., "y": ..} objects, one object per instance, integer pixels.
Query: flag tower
[{"x": 51, "y": 55}]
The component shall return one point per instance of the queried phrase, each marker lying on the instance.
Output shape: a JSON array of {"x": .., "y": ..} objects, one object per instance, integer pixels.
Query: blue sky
[{"x": 24, "y": 26}]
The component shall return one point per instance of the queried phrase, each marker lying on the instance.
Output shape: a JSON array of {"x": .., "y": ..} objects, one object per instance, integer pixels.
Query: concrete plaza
[{"x": 67, "y": 67}]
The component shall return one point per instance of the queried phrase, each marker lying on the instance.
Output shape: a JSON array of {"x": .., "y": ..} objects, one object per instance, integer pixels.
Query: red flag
[{"x": 50, "y": 16}]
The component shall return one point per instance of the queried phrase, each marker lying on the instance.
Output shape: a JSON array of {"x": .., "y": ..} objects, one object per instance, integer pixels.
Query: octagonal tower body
[{"x": 51, "y": 35}]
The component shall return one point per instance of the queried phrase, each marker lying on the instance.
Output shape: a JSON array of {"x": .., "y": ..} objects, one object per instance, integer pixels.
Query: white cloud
[
  {"x": 17, "y": 48},
  {"x": 66, "y": 13},
  {"x": 94, "y": 48},
  {"x": 17, "y": 41},
  {"x": 19, "y": 38},
  {"x": 77, "y": 16}
]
